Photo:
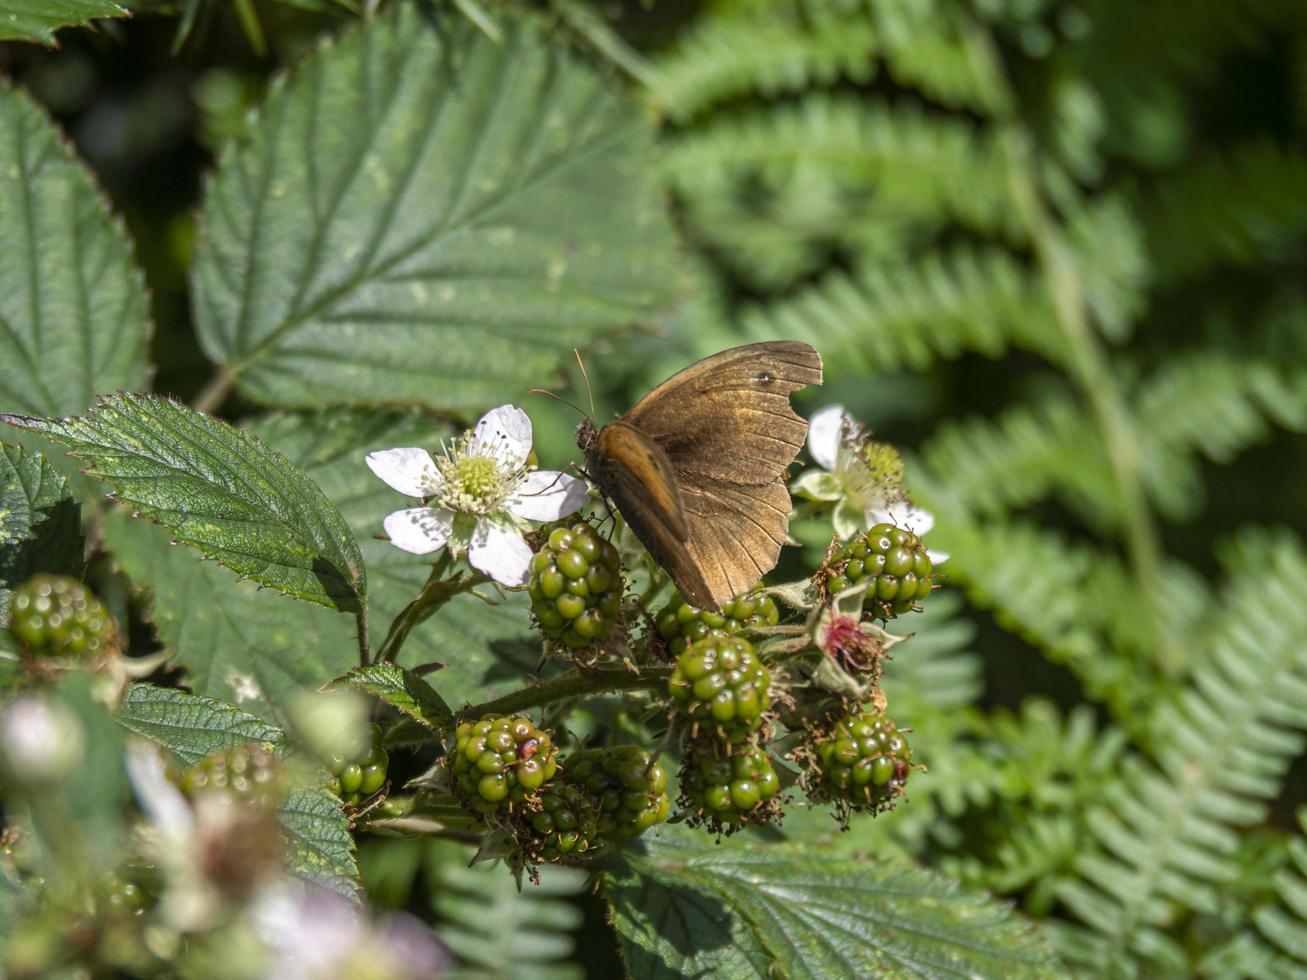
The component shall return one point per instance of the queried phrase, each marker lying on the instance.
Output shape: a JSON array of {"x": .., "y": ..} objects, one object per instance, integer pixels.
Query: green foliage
[
  {"x": 76, "y": 317},
  {"x": 40, "y": 524},
  {"x": 320, "y": 848},
  {"x": 682, "y": 907},
  {"x": 236, "y": 642},
  {"x": 498, "y": 930},
  {"x": 403, "y": 690},
  {"x": 387, "y": 235},
  {"x": 220, "y": 490},
  {"x": 37, "y": 20}
]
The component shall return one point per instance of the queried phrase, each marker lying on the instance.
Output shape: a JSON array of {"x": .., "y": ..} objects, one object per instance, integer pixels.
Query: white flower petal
[
  {"x": 419, "y": 530},
  {"x": 409, "y": 470},
  {"x": 825, "y": 433},
  {"x": 162, "y": 802},
  {"x": 504, "y": 433},
  {"x": 816, "y": 485},
  {"x": 547, "y": 495},
  {"x": 847, "y": 520},
  {"x": 906, "y": 515},
  {"x": 500, "y": 553},
  {"x": 937, "y": 557}
]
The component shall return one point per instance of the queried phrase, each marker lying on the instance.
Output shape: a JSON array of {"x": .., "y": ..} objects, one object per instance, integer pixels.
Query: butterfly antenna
[
  {"x": 586, "y": 378},
  {"x": 557, "y": 398}
]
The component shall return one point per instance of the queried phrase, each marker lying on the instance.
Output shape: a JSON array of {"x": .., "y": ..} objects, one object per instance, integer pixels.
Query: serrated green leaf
[
  {"x": 37, "y": 20},
  {"x": 423, "y": 215},
  {"x": 684, "y": 906},
  {"x": 403, "y": 690},
  {"x": 74, "y": 315},
  {"x": 40, "y": 523},
  {"x": 487, "y": 649},
  {"x": 219, "y": 489},
  {"x": 318, "y": 842},
  {"x": 190, "y": 726},
  {"x": 236, "y": 642}
]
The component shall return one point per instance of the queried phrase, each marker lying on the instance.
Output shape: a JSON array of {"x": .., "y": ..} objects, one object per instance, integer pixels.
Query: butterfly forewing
[{"x": 729, "y": 415}]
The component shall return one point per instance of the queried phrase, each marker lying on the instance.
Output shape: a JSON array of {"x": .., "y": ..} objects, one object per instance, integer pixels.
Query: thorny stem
[
  {"x": 437, "y": 591},
  {"x": 574, "y": 683},
  {"x": 1090, "y": 364}
]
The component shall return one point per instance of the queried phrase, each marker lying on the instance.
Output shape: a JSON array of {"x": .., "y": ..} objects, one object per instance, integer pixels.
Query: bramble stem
[
  {"x": 574, "y": 683},
  {"x": 437, "y": 591},
  {"x": 214, "y": 393}
]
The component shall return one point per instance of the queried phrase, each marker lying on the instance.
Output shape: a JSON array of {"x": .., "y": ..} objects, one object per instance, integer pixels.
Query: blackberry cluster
[
  {"x": 631, "y": 790},
  {"x": 721, "y": 686},
  {"x": 576, "y": 586},
  {"x": 358, "y": 778},
  {"x": 248, "y": 773},
  {"x": 501, "y": 761},
  {"x": 895, "y": 561},
  {"x": 58, "y": 616},
  {"x": 567, "y": 823},
  {"x": 725, "y": 792},
  {"x": 863, "y": 762},
  {"x": 681, "y": 624}
]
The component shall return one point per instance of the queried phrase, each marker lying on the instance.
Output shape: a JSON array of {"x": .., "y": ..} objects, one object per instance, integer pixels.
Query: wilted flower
[
  {"x": 841, "y": 633},
  {"x": 862, "y": 477},
  {"x": 478, "y": 495},
  {"x": 40, "y": 741},
  {"x": 314, "y": 934}
]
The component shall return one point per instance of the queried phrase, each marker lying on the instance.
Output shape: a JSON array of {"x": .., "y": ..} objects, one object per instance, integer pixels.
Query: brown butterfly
[{"x": 695, "y": 468}]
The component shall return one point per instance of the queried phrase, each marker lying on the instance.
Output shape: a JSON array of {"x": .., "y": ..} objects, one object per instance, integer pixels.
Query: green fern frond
[
  {"x": 897, "y": 163},
  {"x": 1031, "y": 451},
  {"x": 1168, "y": 831},
  {"x": 936, "y": 669},
  {"x": 1248, "y": 205},
  {"x": 1284, "y": 925},
  {"x": 933, "y": 45},
  {"x": 497, "y": 931},
  {"x": 914, "y": 314},
  {"x": 1211, "y": 404},
  {"x": 767, "y": 48},
  {"x": 1111, "y": 258}
]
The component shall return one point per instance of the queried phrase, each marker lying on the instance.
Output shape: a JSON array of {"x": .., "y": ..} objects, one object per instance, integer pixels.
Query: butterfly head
[{"x": 587, "y": 436}]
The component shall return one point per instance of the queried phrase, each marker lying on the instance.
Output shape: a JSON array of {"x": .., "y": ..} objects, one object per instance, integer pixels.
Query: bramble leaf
[{"x": 40, "y": 523}]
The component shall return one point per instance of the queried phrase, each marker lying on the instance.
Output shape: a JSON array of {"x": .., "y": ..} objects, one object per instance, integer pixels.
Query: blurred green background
[{"x": 858, "y": 174}]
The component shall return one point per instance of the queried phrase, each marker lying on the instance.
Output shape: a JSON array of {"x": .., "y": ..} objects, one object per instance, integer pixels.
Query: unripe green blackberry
[
  {"x": 895, "y": 561},
  {"x": 727, "y": 791},
  {"x": 58, "y": 616},
  {"x": 248, "y": 773},
  {"x": 576, "y": 586},
  {"x": 632, "y": 792},
  {"x": 565, "y": 824},
  {"x": 681, "y": 624},
  {"x": 497, "y": 761},
  {"x": 720, "y": 684},
  {"x": 358, "y": 778},
  {"x": 863, "y": 762}
]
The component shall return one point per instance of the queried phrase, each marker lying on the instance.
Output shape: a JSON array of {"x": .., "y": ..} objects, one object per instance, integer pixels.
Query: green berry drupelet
[
  {"x": 896, "y": 563},
  {"x": 724, "y": 792},
  {"x": 576, "y": 586},
  {"x": 863, "y": 763},
  {"x": 58, "y": 616},
  {"x": 721, "y": 686},
  {"x": 247, "y": 773},
  {"x": 565, "y": 824},
  {"x": 498, "y": 761},
  {"x": 631, "y": 791},
  {"x": 358, "y": 778},
  {"x": 681, "y": 624}
]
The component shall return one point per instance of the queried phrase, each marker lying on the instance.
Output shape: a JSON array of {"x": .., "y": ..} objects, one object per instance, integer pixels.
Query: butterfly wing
[
  {"x": 727, "y": 432},
  {"x": 638, "y": 477},
  {"x": 728, "y": 417}
]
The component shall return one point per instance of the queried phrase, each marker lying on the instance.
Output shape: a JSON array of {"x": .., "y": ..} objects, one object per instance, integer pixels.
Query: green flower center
[{"x": 477, "y": 477}]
